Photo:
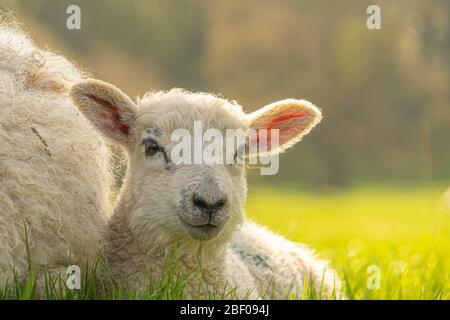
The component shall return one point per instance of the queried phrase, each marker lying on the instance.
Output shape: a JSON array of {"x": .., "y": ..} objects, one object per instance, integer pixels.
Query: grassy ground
[{"x": 403, "y": 232}]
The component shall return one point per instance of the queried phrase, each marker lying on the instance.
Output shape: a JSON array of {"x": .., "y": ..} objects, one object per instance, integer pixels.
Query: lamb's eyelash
[{"x": 147, "y": 139}]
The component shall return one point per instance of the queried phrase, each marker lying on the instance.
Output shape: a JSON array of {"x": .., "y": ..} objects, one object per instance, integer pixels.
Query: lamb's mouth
[{"x": 202, "y": 232}]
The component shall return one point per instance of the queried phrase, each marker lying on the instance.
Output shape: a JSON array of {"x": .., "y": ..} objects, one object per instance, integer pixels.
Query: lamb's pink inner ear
[
  {"x": 110, "y": 116},
  {"x": 291, "y": 118},
  {"x": 289, "y": 125}
]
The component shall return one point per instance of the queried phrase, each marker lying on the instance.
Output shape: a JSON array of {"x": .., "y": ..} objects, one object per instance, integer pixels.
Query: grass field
[{"x": 404, "y": 232}]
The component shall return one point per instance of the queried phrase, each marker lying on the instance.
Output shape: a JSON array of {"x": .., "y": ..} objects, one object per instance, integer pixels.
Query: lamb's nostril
[
  {"x": 207, "y": 207},
  {"x": 219, "y": 204},
  {"x": 200, "y": 202}
]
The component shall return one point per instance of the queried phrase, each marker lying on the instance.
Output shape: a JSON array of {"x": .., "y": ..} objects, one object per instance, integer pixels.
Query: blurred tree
[{"x": 384, "y": 93}]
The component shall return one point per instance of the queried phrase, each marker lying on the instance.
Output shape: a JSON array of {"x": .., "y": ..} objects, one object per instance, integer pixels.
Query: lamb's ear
[
  {"x": 110, "y": 110},
  {"x": 293, "y": 119}
]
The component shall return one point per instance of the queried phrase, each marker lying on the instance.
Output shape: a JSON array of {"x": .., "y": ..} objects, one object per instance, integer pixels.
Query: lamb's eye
[{"x": 151, "y": 147}]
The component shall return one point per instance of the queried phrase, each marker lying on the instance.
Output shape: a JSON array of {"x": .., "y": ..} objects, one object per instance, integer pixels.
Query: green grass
[{"x": 403, "y": 232}]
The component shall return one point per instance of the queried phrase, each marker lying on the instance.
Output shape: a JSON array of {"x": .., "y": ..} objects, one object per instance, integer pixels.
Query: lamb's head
[{"x": 172, "y": 200}]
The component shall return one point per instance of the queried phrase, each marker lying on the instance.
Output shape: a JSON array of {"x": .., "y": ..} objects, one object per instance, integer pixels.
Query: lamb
[
  {"x": 54, "y": 167},
  {"x": 193, "y": 214}
]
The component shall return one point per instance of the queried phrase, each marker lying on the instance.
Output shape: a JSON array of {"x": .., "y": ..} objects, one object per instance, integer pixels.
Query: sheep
[
  {"x": 54, "y": 167},
  {"x": 192, "y": 215}
]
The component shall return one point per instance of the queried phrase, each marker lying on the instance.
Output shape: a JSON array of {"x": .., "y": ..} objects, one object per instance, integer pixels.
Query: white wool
[{"x": 54, "y": 168}]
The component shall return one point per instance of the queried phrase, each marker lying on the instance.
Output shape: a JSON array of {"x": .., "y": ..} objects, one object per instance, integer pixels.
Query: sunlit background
[{"x": 367, "y": 186}]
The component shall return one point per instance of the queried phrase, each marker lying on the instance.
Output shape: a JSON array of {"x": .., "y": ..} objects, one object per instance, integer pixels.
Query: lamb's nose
[{"x": 206, "y": 207}]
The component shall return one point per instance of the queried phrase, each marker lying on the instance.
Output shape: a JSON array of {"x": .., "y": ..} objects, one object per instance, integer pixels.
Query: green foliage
[{"x": 403, "y": 231}]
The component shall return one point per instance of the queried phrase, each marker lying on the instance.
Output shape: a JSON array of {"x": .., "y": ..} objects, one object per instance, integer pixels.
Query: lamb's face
[
  {"x": 194, "y": 199},
  {"x": 184, "y": 199}
]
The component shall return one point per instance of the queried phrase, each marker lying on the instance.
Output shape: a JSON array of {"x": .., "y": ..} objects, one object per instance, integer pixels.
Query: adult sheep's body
[{"x": 54, "y": 168}]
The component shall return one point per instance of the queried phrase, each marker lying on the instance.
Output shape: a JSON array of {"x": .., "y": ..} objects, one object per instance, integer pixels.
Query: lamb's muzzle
[{"x": 204, "y": 211}]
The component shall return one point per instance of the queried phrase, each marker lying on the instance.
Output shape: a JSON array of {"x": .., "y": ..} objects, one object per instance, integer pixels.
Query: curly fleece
[{"x": 54, "y": 168}]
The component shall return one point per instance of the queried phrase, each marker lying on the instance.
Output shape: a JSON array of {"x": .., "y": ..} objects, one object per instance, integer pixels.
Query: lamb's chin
[{"x": 203, "y": 232}]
